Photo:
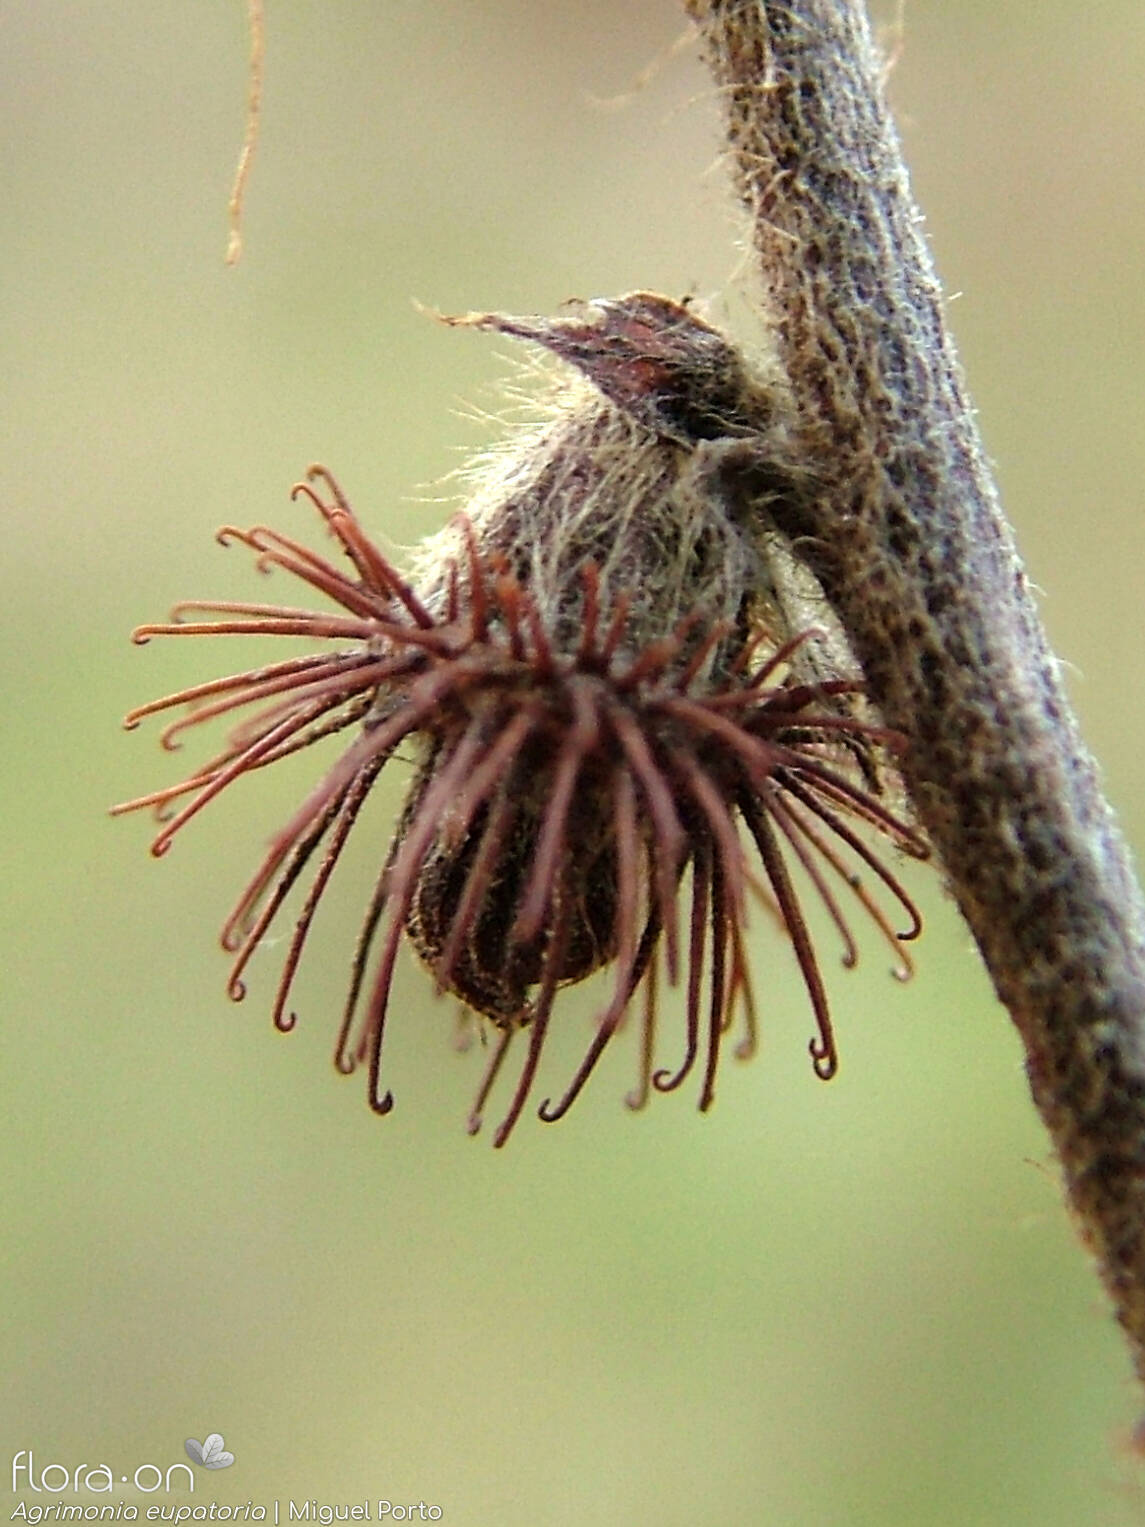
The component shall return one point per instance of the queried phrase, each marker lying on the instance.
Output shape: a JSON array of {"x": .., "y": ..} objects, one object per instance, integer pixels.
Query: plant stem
[{"x": 906, "y": 536}]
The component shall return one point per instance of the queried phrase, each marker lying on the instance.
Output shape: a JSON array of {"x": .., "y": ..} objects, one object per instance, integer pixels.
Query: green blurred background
[{"x": 857, "y": 1303}]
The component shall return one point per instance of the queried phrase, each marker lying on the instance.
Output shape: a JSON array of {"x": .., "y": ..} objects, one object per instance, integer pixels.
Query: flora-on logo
[
  {"x": 211, "y": 1454},
  {"x": 99, "y": 1478}
]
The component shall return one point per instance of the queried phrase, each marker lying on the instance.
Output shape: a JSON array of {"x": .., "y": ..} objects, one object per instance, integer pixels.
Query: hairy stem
[{"x": 905, "y": 534}]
